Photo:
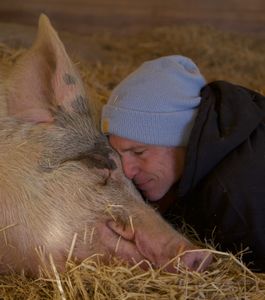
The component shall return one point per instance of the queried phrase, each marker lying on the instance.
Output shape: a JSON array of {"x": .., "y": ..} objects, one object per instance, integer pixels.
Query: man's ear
[{"x": 43, "y": 79}]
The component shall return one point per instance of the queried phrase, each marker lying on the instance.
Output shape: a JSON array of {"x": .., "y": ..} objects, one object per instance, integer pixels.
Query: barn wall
[{"x": 85, "y": 15}]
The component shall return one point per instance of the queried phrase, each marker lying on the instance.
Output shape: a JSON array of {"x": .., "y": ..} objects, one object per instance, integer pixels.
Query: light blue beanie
[{"x": 157, "y": 103}]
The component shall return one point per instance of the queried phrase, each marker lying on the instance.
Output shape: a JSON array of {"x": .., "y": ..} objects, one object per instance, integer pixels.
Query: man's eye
[{"x": 138, "y": 152}]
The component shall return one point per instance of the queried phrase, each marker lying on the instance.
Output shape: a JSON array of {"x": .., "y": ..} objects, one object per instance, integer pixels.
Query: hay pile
[
  {"x": 220, "y": 56},
  {"x": 227, "y": 278}
]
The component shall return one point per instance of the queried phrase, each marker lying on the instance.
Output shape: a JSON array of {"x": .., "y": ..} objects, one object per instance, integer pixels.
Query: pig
[{"x": 64, "y": 195}]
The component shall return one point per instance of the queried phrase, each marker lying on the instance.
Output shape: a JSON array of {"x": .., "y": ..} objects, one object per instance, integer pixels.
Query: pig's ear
[{"x": 43, "y": 79}]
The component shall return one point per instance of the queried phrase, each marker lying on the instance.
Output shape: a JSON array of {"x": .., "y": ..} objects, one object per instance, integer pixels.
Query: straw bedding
[{"x": 220, "y": 56}]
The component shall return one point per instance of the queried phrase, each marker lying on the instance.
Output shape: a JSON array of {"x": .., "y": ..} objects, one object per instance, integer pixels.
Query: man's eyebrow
[{"x": 131, "y": 148}]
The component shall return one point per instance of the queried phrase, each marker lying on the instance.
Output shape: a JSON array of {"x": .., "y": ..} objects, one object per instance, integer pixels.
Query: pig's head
[{"x": 62, "y": 188}]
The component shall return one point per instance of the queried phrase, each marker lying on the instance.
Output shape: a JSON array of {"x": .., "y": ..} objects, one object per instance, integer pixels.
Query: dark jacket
[{"x": 222, "y": 191}]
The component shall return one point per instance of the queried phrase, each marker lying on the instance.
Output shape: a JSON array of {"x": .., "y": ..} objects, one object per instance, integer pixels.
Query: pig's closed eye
[
  {"x": 97, "y": 161},
  {"x": 104, "y": 176}
]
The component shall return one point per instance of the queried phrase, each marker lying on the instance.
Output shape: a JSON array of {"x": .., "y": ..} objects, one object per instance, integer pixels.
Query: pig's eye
[
  {"x": 98, "y": 161},
  {"x": 104, "y": 176}
]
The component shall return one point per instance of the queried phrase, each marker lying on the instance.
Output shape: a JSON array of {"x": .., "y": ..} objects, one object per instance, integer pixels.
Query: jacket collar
[{"x": 227, "y": 116}]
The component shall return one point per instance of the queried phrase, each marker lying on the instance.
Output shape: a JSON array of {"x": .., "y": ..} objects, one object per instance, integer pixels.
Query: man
[{"x": 195, "y": 149}]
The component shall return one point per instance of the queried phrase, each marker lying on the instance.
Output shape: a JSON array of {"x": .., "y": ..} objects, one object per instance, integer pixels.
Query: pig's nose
[{"x": 196, "y": 260}]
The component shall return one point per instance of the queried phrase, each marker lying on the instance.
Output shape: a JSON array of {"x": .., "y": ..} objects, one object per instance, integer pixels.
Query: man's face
[{"x": 153, "y": 169}]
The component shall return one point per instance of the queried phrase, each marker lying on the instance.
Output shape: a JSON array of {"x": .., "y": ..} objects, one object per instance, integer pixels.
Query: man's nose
[{"x": 130, "y": 168}]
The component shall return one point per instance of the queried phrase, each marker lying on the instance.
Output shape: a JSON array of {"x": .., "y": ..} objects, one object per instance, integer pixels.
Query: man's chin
[{"x": 151, "y": 196}]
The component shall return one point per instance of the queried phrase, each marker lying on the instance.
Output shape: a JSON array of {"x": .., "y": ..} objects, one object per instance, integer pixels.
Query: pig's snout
[
  {"x": 181, "y": 255},
  {"x": 194, "y": 260},
  {"x": 166, "y": 250}
]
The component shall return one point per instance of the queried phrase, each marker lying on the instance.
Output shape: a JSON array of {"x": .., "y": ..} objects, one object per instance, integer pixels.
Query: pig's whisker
[
  {"x": 131, "y": 223},
  {"x": 58, "y": 281},
  {"x": 4, "y": 232},
  {"x": 43, "y": 269},
  {"x": 85, "y": 234},
  {"x": 7, "y": 227},
  {"x": 115, "y": 205},
  {"x": 109, "y": 210},
  {"x": 92, "y": 235},
  {"x": 117, "y": 244},
  {"x": 21, "y": 144},
  {"x": 72, "y": 248}
]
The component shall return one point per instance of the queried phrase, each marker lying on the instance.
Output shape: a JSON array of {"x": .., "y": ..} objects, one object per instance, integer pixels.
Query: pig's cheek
[{"x": 117, "y": 246}]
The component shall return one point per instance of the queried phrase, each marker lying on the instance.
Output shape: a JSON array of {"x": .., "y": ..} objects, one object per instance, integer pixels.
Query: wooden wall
[{"x": 85, "y": 15}]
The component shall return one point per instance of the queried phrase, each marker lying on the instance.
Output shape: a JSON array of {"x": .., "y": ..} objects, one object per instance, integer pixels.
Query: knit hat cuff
[{"x": 143, "y": 126}]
